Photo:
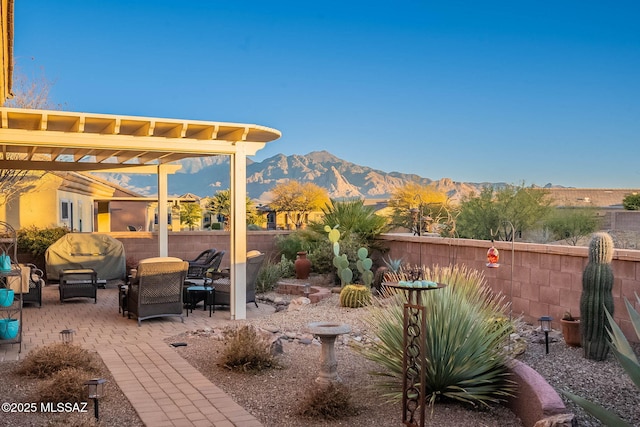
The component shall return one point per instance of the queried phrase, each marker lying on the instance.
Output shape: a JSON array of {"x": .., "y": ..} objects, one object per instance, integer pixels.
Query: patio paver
[{"x": 164, "y": 389}]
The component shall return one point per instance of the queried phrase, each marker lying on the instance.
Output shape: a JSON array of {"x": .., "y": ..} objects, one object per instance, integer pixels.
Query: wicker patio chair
[
  {"x": 156, "y": 291},
  {"x": 36, "y": 282},
  {"x": 207, "y": 261},
  {"x": 222, "y": 284}
]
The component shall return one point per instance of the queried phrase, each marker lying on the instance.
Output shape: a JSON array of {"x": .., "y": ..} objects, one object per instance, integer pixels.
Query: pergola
[{"x": 69, "y": 141}]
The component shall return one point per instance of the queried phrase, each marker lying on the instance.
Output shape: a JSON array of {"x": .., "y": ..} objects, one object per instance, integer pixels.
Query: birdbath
[{"x": 328, "y": 332}]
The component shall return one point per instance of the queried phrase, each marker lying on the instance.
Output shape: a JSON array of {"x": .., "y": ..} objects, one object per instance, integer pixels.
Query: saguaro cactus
[{"x": 597, "y": 284}]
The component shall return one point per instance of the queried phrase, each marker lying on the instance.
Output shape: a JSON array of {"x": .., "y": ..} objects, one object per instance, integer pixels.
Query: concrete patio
[{"x": 163, "y": 388}]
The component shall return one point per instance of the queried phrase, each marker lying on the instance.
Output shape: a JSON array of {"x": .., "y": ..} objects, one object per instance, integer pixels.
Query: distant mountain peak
[{"x": 342, "y": 179}]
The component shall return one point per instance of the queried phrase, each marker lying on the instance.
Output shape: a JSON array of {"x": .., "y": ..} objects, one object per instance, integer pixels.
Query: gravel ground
[
  {"x": 115, "y": 409},
  {"x": 605, "y": 383},
  {"x": 274, "y": 396}
]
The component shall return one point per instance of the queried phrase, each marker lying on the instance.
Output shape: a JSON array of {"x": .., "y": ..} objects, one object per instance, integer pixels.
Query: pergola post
[
  {"x": 163, "y": 212},
  {"x": 238, "y": 234}
]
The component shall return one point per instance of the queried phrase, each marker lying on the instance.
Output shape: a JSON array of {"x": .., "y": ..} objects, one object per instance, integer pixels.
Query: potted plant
[{"x": 570, "y": 329}]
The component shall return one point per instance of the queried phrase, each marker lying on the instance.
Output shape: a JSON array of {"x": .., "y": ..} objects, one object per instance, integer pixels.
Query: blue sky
[{"x": 476, "y": 91}]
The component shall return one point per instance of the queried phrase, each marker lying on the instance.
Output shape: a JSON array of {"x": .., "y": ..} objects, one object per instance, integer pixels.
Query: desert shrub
[
  {"x": 37, "y": 240},
  {"x": 292, "y": 243},
  {"x": 353, "y": 217},
  {"x": 271, "y": 272},
  {"x": 65, "y": 385},
  {"x": 246, "y": 350},
  {"x": 85, "y": 419},
  {"x": 330, "y": 402},
  {"x": 45, "y": 361},
  {"x": 461, "y": 330}
]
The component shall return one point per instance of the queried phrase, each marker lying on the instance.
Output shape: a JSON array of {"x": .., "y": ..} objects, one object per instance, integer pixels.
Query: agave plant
[
  {"x": 627, "y": 359},
  {"x": 465, "y": 360}
]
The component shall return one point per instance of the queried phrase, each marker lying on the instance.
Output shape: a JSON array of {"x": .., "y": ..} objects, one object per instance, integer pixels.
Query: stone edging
[{"x": 537, "y": 404}]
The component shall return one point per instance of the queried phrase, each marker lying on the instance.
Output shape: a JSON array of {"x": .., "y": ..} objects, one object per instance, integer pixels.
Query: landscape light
[
  {"x": 95, "y": 390},
  {"x": 545, "y": 325},
  {"x": 66, "y": 335}
]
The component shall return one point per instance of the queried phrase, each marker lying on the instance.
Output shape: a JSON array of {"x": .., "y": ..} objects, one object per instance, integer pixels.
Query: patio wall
[
  {"x": 188, "y": 244},
  {"x": 547, "y": 279}
]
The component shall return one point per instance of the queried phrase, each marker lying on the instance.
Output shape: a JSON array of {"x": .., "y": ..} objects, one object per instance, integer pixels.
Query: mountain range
[{"x": 204, "y": 176}]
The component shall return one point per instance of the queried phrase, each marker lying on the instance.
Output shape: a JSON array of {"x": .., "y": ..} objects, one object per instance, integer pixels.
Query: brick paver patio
[{"x": 163, "y": 388}]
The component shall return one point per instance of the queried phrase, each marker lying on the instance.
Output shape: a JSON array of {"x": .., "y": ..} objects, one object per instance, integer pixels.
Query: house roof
[{"x": 594, "y": 197}]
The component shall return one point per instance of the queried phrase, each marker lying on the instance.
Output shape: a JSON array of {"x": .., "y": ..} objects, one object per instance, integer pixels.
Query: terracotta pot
[
  {"x": 302, "y": 266},
  {"x": 571, "y": 331}
]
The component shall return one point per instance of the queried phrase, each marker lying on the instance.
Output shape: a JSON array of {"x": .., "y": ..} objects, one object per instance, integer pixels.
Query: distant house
[
  {"x": 601, "y": 198},
  {"x": 607, "y": 202},
  {"x": 78, "y": 201},
  {"x": 281, "y": 221}
]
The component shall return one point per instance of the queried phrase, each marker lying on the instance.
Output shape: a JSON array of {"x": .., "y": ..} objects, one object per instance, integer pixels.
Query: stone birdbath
[{"x": 328, "y": 332}]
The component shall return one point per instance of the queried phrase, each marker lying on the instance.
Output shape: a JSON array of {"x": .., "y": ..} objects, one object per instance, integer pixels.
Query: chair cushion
[{"x": 160, "y": 259}]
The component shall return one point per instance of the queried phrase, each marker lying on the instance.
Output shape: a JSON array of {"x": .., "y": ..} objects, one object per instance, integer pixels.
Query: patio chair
[
  {"x": 36, "y": 282},
  {"x": 222, "y": 284},
  {"x": 207, "y": 261},
  {"x": 201, "y": 274},
  {"x": 156, "y": 291}
]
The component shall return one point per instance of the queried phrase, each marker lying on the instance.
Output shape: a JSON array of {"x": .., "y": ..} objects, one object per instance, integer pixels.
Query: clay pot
[
  {"x": 302, "y": 266},
  {"x": 571, "y": 332}
]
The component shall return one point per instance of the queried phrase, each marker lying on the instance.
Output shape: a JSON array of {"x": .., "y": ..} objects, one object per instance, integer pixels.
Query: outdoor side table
[{"x": 193, "y": 290}]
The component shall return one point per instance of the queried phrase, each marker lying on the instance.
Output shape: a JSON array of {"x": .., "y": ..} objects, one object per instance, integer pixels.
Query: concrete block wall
[
  {"x": 188, "y": 244},
  {"x": 547, "y": 279}
]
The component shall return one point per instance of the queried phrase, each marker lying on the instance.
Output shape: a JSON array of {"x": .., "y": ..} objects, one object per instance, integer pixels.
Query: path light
[
  {"x": 545, "y": 325},
  {"x": 66, "y": 335},
  {"x": 306, "y": 289},
  {"x": 95, "y": 390}
]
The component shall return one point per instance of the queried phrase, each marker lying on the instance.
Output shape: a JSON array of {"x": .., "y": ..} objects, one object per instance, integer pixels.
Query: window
[{"x": 65, "y": 210}]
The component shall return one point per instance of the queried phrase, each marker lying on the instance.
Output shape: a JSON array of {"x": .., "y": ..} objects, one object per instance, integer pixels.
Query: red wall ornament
[{"x": 493, "y": 256}]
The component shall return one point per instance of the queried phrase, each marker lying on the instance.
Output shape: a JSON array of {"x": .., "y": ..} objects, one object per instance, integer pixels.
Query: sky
[{"x": 523, "y": 92}]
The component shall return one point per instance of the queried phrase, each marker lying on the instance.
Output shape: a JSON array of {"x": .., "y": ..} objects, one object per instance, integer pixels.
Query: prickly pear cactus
[
  {"x": 597, "y": 285},
  {"x": 364, "y": 265},
  {"x": 355, "y": 296}
]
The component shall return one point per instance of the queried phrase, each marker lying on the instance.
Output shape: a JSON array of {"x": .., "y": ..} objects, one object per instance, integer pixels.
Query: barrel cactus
[
  {"x": 597, "y": 285},
  {"x": 355, "y": 296}
]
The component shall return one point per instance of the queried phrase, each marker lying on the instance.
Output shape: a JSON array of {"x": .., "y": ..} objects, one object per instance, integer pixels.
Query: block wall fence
[
  {"x": 188, "y": 244},
  {"x": 547, "y": 279}
]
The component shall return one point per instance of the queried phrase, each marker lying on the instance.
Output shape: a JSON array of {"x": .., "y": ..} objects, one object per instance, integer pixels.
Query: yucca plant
[
  {"x": 627, "y": 359},
  {"x": 465, "y": 360}
]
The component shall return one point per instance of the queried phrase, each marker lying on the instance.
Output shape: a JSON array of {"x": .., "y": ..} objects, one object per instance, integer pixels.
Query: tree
[
  {"x": 490, "y": 215},
  {"x": 297, "y": 200},
  {"x": 631, "y": 202},
  {"x": 571, "y": 224},
  {"x": 30, "y": 93},
  {"x": 430, "y": 203},
  {"x": 221, "y": 204},
  {"x": 190, "y": 214}
]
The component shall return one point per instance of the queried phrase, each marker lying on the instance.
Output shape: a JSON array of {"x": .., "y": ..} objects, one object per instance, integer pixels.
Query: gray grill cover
[{"x": 73, "y": 251}]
